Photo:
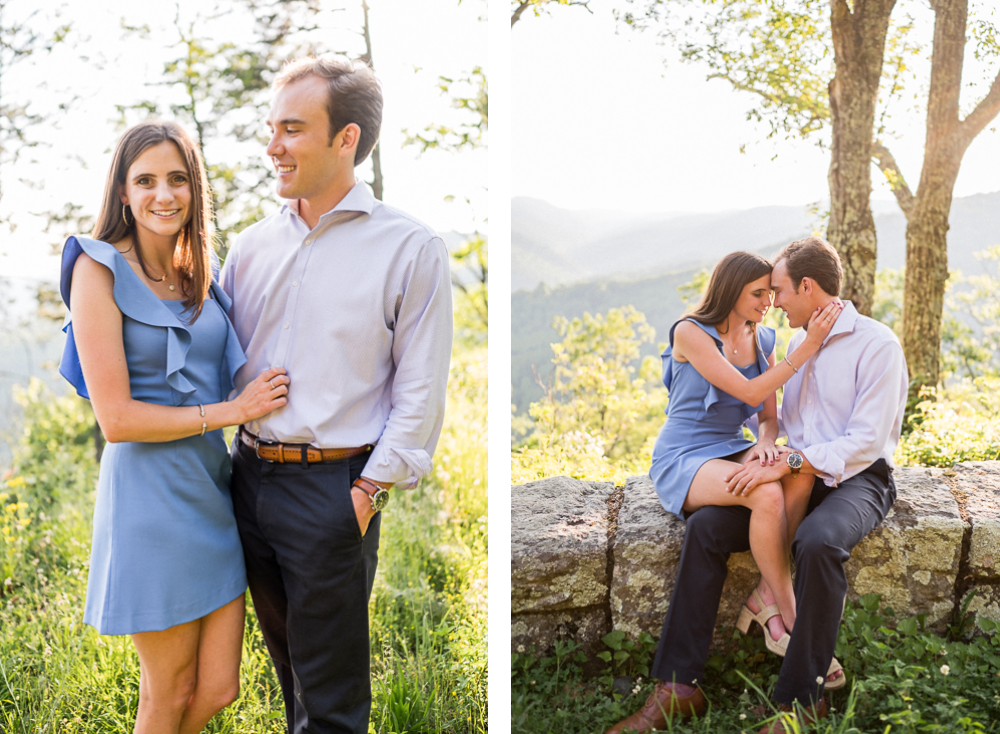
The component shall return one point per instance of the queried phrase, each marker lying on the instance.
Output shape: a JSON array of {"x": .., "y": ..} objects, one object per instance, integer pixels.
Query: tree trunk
[
  {"x": 927, "y": 224},
  {"x": 927, "y": 211},
  {"x": 859, "y": 46},
  {"x": 376, "y": 182}
]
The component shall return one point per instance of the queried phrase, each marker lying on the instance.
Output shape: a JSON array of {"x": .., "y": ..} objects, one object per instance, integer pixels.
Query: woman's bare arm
[
  {"x": 97, "y": 327},
  {"x": 695, "y": 346},
  {"x": 767, "y": 427}
]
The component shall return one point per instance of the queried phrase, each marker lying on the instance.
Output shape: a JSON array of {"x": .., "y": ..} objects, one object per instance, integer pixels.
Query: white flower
[
  {"x": 819, "y": 680},
  {"x": 943, "y": 651},
  {"x": 945, "y": 670},
  {"x": 520, "y": 648},
  {"x": 742, "y": 716}
]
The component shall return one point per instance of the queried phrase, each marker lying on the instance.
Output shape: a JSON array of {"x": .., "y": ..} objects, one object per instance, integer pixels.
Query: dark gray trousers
[
  {"x": 310, "y": 575},
  {"x": 838, "y": 519}
]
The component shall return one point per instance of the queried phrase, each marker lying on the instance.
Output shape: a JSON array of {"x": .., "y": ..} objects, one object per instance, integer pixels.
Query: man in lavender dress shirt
[
  {"x": 842, "y": 412},
  {"x": 353, "y": 299}
]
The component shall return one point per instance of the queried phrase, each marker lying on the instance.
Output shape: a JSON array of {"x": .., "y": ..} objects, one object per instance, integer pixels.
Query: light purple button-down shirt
[
  {"x": 358, "y": 311},
  {"x": 844, "y": 408}
]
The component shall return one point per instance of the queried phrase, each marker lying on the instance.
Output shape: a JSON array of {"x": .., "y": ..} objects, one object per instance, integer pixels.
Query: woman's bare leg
[
  {"x": 219, "y": 649},
  {"x": 768, "y": 527},
  {"x": 172, "y": 672},
  {"x": 797, "y": 490}
]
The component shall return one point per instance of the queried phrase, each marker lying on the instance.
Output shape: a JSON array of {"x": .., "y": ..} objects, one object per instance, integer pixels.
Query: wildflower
[
  {"x": 520, "y": 648},
  {"x": 943, "y": 651},
  {"x": 742, "y": 716},
  {"x": 945, "y": 670},
  {"x": 819, "y": 680}
]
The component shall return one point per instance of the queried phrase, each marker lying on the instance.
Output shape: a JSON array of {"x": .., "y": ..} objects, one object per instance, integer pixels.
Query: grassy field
[{"x": 428, "y": 611}]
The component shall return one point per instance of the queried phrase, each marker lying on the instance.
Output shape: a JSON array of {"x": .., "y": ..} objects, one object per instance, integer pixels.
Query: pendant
[{"x": 170, "y": 287}]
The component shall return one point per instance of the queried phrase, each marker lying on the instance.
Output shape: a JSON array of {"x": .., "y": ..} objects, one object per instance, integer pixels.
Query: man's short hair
[
  {"x": 813, "y": 258},
  {"x": 354, "y": 95}
]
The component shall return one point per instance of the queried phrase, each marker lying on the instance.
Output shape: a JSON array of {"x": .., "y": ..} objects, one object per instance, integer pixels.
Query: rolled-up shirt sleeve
[
  {"x": 421, "y": 352},
  {"x": 874, "y": 418}
]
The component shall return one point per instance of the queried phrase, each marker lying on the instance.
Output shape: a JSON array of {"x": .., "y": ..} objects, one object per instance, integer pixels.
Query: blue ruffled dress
[
  {"x": 165, "y": 548},
  {"x": 703, "y": 422}
]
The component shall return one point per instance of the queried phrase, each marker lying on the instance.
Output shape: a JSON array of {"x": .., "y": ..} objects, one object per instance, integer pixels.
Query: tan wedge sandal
[
  {"x": 779, "y": 646},
  {"x": 837, "y": 683}
]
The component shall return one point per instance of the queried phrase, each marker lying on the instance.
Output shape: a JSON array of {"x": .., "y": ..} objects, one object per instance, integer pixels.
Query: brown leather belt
[{"x": 291, "y": 453}]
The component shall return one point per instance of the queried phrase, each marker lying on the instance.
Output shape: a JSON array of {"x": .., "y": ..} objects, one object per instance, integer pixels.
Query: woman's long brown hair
[
  {"x": 728, "y": 279},
  {"x": 191, "y": 254}
]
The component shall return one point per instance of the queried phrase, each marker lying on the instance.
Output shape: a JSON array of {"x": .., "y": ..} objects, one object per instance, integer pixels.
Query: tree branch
[
  {"x": 887, "y": 164},
  {"x": 517, "y": 13},
  {"x": 986, "y": 111},
  {"x": 525, "y": 4}
]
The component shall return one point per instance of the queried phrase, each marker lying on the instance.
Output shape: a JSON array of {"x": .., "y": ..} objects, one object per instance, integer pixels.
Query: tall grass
[{"x": 428, "y": 609}]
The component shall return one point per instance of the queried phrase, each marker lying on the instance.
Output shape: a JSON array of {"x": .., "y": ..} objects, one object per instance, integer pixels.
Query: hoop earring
[{"x": 124, "y": 218}]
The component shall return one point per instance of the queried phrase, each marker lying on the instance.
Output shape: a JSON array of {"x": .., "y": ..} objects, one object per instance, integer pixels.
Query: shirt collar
[
  {"x": 359, "y": 199},
  {"x": 845, "y": 322}
]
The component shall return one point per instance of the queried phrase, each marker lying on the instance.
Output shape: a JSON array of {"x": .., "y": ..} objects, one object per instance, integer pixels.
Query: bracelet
[
  {"x": 203, "y": 424},
  {"x": 791, "y": 365}
]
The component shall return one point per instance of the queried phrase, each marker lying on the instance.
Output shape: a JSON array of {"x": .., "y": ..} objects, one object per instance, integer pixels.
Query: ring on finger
[{"x": 271, "y": 383}]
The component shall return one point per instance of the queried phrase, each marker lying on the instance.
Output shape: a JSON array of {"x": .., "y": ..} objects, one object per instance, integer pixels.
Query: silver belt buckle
[{"x": 256, "y": 450}]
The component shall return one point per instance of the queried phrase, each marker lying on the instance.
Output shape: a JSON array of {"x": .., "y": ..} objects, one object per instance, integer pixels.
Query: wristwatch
[
  {"x": 379, "y": 495},
  {"x": 794, "y": 460}
]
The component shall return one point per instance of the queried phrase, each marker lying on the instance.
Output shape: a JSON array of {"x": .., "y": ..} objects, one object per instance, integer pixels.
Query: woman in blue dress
[
  {"x": 150, "y": 344},
  {"x": 720, "y": 370}
]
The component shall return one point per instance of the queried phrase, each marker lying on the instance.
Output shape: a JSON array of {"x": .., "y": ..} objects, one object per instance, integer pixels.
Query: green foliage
[
  {"x": 56, "y": 450},
  {"x": 469, "y": 92},
  {"x": 626, "y": 657},
  {"x": 974, "y": 352},
  {"x": 888, "y": 307},
  {"x": 427, "y": 614},
  {"x": 779, "y": 51},
  {"x": 470, "y": 276},
  {"x": 899, "y": 676},
  {"x": 533, "y": 314},
  {"x": 955, "y": 425},
  {"x": 598, "y": 407}
]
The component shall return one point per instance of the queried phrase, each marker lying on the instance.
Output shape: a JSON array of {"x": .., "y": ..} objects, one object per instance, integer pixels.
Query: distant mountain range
[
  {"x": 567, "y": 262},
  {"x": 560, "y": 247}
]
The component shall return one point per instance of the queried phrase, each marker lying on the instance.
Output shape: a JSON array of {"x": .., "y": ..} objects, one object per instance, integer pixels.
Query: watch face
[
  {"x": 380, "y": 499},
  {"x": 795, "y": 461}
]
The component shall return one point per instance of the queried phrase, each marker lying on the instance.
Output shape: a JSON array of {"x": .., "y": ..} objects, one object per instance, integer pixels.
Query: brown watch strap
[{"x": 367, "y": 486}]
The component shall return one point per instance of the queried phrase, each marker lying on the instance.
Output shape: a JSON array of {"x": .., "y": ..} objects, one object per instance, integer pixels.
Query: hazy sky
[
  {"x": 600, "y": 122},
  {"x": 408, "y": 57}
]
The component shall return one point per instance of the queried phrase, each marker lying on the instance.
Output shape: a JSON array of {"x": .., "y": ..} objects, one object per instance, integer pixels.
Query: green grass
[
  {"x": 428, "y": 609},
  {"x": 902, "y": 680}
]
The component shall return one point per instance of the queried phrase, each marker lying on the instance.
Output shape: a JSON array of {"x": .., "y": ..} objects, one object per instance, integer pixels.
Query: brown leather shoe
[
  {"x": 810, "y": 715},
  {"x": 664, "y": 703}
]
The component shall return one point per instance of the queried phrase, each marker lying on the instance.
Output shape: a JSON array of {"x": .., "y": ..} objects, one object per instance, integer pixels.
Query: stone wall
[{"x": 589, "y": 557}]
